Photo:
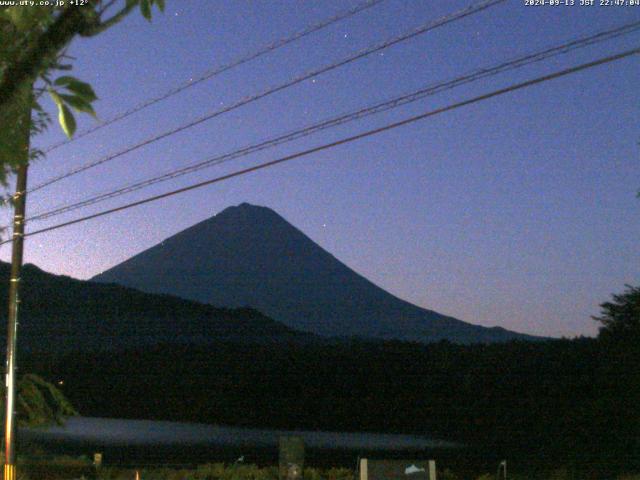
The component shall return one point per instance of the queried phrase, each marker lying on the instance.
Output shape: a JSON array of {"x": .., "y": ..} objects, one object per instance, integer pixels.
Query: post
[
  {"x": 364, "y": 469},
  {"x": 502, "y": 467},
  {"x": 23, "y": 127},
  {"x": 432, "y": 470},
  {"x": 12, "y": 324}
]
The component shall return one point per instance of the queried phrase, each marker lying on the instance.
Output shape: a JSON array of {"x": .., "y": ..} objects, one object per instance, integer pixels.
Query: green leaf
[
  {"x": 79, "y": 103},
  {"x": 67, "y": 120},
  {"x": 56, "y": 97},
  {"x": 65, "y": 80},
  {"x": 20, "y": 16},
  {"x": 160, "y": 5},
  {"x": 74, "y": 85},
  {"x": 145, "y": 9},
  {"x": 25, "y": 17}
]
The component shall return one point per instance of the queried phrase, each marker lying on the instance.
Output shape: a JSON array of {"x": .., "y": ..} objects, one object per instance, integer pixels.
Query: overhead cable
[
  {"x": 368, "y": 133},
  {"x": 458, "y": 15},
  {"x": 395, "y": 102},
  {"x": 221, "y": 69}
]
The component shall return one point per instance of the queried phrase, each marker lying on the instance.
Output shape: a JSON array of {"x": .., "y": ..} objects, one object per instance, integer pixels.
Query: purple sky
[{"x": 519, "y": 211}]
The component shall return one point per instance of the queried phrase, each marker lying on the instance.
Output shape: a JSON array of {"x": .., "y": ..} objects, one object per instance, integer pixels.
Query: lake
[
  {"x": 137, "y": 442},
  {"x": 112, "y": 431}
]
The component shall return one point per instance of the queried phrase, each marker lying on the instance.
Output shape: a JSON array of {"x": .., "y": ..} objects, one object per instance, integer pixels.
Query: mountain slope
[
  {"x": 60, "y": 313},
  {"x": 251, "y": 256}
]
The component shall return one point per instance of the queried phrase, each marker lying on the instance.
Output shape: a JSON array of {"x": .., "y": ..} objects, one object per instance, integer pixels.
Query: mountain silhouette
[
  {"x": 249, "y": 256},
  {"x": 59, "y": 313}
]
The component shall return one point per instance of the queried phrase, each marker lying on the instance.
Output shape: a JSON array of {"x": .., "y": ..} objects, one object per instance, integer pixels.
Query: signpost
[{"x": 397, "y": 469}]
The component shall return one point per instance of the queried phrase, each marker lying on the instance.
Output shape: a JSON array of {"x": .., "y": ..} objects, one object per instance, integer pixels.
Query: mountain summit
[{"x": 250, "y": 256}]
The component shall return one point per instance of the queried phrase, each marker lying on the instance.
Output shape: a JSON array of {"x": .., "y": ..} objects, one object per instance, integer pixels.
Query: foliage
[
  {"x": 59, "y": 467},
  {"x": 447, "y": 474},
  {"x": 64, "y": 468},
  {"x": 337, "y": 474},
  {"x": 620, "y": 318},
  {"x": 552, "y": 402},
  {"x": 560, "y": 474},
  {"x": 560, "y": 402},
  {"x": 220, "y": 471},
  {"x": 33, "y": 40},
  {"x": 39, "y": 402}
]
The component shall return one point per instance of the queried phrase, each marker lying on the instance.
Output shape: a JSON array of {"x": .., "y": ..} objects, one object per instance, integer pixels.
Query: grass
[
  {"x": 219, "y": 471},
  {"x": 69, "y": 468}
]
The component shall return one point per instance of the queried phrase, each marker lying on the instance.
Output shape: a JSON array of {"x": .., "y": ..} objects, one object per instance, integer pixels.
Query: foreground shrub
[{"x": 220, "y": 471}]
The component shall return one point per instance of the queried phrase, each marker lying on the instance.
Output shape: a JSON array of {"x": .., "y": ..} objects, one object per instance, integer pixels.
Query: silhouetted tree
[{"x": 620, "y": 318}]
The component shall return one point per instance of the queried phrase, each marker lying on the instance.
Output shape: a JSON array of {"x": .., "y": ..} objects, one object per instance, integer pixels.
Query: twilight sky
[{"x": 519, "y": 211}]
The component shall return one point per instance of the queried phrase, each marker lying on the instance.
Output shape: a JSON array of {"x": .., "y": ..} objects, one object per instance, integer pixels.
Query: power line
[
  {"x": 343, "y": 141},
  {"x": 222, "y": 68},
  {"x": 472, "y": 76},
  {"x": 460, "y": 14}
]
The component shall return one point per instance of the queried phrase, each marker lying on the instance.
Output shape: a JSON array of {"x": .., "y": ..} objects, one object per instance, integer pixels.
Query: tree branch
[
  {"x": 102, "y": 26},
  {"x": 35, "y": 57},
  {"x": 107, "y": 6}
]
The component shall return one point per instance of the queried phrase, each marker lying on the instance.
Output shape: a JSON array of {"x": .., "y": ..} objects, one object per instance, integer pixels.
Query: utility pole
[
  {"x": 19, "y": 201},
  {"x": 12, "y": 325}
]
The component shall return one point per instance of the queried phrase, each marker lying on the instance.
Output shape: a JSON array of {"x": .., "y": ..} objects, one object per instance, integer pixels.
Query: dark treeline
[
  {"x": 570, "y": 401},
  {"x": 124, "y": 353},
  {"x": 59, "y": 313}
]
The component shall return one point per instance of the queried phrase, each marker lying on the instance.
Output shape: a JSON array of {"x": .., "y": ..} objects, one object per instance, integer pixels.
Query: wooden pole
[
  {"x": 12, "y": 324},
  {"x": 19, "y": 201}
]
